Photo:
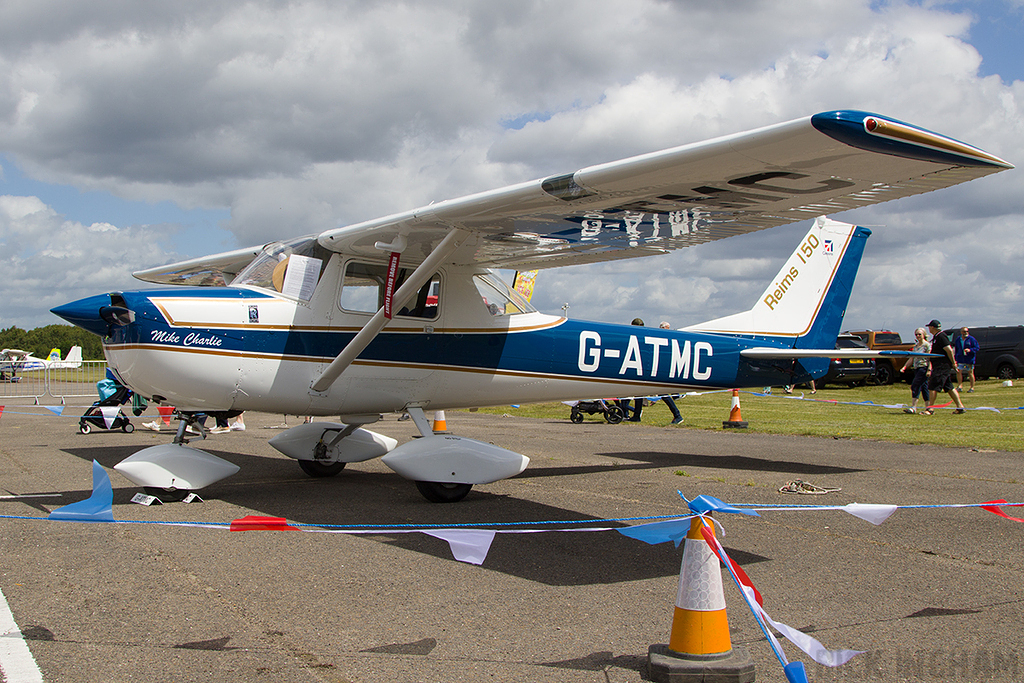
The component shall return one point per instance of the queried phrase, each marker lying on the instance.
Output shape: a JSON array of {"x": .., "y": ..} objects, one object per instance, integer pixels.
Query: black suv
[
  {"x": 851, "y": 371},
  {"x": 1001, "y": 351}
]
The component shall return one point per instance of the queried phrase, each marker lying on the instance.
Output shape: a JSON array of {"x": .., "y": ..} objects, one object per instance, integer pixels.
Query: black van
[{"x": 1002, "y": 351}]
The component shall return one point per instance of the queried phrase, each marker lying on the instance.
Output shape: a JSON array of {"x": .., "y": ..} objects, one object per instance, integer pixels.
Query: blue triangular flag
[
  {"x": 703, "y": 504},
  {"x": 97, "y": 507},
  {"x": 674, "y": 530},
  {"x": 56, "y": 410},
  {"x": 795, "y": 672}
]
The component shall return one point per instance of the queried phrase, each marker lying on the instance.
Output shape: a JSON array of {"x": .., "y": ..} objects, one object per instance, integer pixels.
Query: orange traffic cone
[
  {"x": 165, "y": 413},
  {"x": 735, "y": 420},
  {"x": 440, "y": 426},
  {"x": 699, "y": 646}
]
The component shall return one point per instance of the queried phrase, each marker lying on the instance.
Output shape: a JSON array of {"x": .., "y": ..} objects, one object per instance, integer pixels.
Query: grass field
[{"x": 827, "y": 413}]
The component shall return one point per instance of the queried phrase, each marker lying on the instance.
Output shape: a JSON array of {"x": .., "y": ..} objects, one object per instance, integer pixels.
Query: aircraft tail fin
[
  {"x": 74, "y": 355},
  {"x": 54, "y": 354},
  {"x": 806, "y": 301}
]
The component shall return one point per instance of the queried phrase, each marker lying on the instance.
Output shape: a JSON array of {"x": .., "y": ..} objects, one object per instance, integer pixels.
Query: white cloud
[{"x": 48, "y": 261}]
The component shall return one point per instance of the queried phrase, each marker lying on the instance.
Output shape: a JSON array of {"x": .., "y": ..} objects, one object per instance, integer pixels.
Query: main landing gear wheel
[
  {"x": 319, "y": 469},
  {"x": 437, "y": 492}
]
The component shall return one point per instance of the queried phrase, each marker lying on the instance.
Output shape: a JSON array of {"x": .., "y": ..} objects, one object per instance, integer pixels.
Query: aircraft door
[{"x": 397, "y": 367}]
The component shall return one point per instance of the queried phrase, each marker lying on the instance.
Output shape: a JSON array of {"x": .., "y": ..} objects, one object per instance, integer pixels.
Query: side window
[
  {"x": 363, "y": 291},
  {"x": 362, "y": 287}
]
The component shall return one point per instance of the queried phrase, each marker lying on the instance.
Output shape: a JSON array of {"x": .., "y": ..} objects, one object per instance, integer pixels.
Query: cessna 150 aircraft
[{"x": 403, "y": 314}]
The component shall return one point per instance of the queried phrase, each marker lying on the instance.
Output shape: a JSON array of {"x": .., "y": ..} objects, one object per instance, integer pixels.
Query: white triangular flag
[
  {"x": 468, "y": 545},
  {"x": 876, "y": 514},
  {"x": 109, "y": 414}
]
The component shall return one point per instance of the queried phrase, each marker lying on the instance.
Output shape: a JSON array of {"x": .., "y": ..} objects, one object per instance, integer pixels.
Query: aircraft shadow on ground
[
  {"x": 657, "y": 460},
  {"x": 274, "y": 487}
]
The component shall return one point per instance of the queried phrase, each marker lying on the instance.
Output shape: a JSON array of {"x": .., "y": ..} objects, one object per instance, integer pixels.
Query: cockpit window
[
  {"x": 292, "y": 268},
  {"x": 499, "y": 297},
  {"x": 363, "y": 291}
]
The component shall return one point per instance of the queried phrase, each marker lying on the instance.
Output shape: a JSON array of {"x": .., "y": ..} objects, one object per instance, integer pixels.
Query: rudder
[{"x": 806, "y": 301}]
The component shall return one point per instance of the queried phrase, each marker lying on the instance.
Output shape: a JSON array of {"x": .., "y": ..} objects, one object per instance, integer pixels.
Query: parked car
[
  {"x": 1001, "y": 351},
  {"x": 887, "y": 370},
  {"x": 851, "y": 371}
]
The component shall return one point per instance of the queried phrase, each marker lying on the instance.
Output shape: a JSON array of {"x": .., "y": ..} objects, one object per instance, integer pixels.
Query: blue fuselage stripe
[{"x": 571, "y": 349}]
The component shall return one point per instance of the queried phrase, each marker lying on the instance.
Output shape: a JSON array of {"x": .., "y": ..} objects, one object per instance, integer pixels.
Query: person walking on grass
[
  {"x": 942, "y": 368},
  {"x": 965, "y": 352},
  {"x": 922, "y": 368}
]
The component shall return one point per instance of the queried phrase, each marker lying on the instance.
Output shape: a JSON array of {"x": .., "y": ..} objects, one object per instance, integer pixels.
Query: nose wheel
[{"x": 318, "y": 469}]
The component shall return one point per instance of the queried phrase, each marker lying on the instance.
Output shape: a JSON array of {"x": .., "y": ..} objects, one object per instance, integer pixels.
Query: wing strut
[{"x": 370, "y": 330}]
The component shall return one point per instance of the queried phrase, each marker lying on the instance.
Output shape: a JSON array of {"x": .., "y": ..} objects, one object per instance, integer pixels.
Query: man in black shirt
[{"x": 942, "y": 368}]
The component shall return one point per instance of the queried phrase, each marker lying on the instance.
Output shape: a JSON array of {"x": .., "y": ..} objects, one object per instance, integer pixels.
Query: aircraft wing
[
  {"x": 214, "y": 270},
  {"x": 679, "y": 197}
]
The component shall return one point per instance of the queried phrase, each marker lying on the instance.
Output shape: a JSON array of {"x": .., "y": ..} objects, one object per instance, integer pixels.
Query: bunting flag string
[
  {"x": 98, "y": 507},
  {"x": 867, "y": 403},
  {"x": 473, "y": 540}
]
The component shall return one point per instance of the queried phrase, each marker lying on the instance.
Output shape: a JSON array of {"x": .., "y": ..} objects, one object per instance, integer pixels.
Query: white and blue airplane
[
  {"x": 13, "y": 361},
  {"x": 404, "y": 314}
]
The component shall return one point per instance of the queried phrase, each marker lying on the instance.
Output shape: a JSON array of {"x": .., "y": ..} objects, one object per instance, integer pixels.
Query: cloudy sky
[{"x": 138, "y": 134}]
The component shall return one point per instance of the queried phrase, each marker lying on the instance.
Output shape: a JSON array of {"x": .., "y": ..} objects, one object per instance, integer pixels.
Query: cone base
[
  {"x": 735, "y": 424},
  {"x": 666, "y": 666}
]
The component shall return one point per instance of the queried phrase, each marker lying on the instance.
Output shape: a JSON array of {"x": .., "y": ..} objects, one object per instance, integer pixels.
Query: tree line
[{"x": 40, "y": 340}]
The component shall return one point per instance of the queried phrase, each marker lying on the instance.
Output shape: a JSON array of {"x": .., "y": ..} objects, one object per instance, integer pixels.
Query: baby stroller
[
  {"x": 112, "y": 394},
  {"x": 612, "y": 413}
]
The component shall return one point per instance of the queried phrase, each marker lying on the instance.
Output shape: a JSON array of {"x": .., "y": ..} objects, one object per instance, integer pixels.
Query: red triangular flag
[
  {"x": 991, "y": 507},
  {"x": 258, "y": 523}
]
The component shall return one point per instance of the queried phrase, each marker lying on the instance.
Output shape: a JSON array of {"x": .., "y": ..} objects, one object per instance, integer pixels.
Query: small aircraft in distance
[
  {"x": 13, "y": 361},
  {"x": 404, "y": 314}
]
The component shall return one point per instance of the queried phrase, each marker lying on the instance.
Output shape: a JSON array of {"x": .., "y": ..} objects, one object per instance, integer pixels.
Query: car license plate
[{"x": 856, "y": 360}]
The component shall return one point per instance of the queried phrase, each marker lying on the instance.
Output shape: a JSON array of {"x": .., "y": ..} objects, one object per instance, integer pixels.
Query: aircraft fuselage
[{"x": 240, "y": 348}]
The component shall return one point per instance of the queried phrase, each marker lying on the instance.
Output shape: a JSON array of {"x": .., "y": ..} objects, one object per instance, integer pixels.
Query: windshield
[
  {"x": 292, "y": 268},
  {"x": 499, "y": 297}
]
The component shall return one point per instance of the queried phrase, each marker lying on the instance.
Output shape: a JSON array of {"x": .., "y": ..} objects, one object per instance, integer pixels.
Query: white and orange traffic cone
[
  {"x": 735, "y": 420},
  {"x": 440, "y": 426},
  {"x": 699, "y": 646}
]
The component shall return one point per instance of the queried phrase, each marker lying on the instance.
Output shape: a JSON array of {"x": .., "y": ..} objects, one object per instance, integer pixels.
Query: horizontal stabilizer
[{"x": 768, "y": 353}]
